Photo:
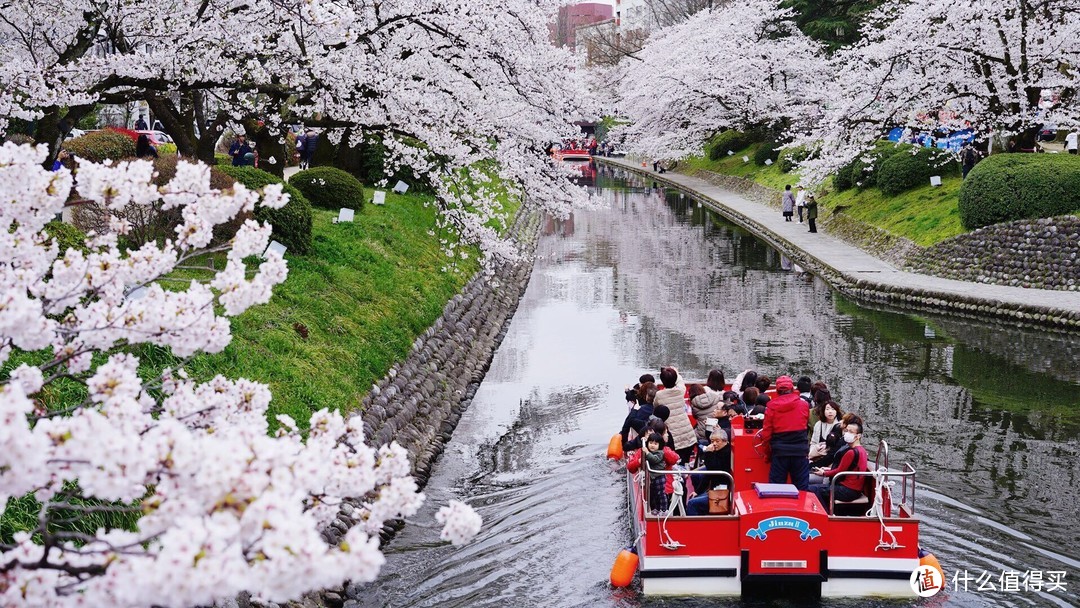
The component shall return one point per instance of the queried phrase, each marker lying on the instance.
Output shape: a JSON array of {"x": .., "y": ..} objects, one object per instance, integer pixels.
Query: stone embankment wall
[
  {"x": 420, "y": 400},
  {"x": 1043, "y": 253},
  {"x": 893, "y": 249}
]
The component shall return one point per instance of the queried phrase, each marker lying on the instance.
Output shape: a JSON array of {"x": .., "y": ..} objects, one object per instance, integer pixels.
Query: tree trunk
[{"x": 267, "y": 146}]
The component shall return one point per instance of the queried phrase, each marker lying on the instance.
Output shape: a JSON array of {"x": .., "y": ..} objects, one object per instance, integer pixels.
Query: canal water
[{"x": 987, "y": 414}]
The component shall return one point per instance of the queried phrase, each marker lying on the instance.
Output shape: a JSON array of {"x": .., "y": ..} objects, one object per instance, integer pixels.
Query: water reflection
[{"x": 986, "y": 413}]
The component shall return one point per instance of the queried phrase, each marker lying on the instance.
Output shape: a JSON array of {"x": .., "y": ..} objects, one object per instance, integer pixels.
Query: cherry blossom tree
[
  {"x": 219, "y": 505},
  {"x": 447, "y": 85},
  {"x": 733, "y": 66},
  {"x": 1003, "y": 67}
]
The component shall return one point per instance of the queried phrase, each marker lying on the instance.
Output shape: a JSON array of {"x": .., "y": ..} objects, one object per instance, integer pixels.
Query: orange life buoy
[
  {"x": 614, "y": 448},
  {"x": 626, "y": 563}
]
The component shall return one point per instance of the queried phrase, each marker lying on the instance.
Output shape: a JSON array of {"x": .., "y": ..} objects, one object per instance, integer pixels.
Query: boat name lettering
[{"x": 783, "y": 523}]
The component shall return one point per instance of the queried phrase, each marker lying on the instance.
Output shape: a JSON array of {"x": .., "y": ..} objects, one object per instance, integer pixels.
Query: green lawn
[{"x": 927, "y": 215}]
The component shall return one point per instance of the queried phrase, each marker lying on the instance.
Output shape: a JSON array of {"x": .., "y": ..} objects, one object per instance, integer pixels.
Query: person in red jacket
[
  {"x": 849, "y": 487},
  {"x": 659, "y": 457},
  {"x": 783, "y": 435}
]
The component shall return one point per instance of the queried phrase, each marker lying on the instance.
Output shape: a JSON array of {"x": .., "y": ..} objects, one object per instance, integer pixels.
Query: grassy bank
[{"x": 925, "y": 215}]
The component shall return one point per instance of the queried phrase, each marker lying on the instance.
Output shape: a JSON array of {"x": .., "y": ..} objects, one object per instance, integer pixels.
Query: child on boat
[{"x": 659, "y": 458}]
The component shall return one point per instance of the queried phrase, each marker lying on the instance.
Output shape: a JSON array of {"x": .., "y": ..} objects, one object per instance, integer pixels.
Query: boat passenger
[
  {"x": 744, "y": 381},
  {"x": 826, "y": 438},
  {"x": 847, "y": 419},
  {"x": 717, "y": 457},
  {"x": 659, "y": 457},
  {"x": 703, "y": 404},
  {"x": 631, "y": 393},
  {"x": 803, "y": 385},
  {"x": 638, "y": 416},
  {"x": 783, "y": 436},
  {"x": 672, "y": 396},
  {"x": 763, "y": 383},
  {"x": 850, "y": 487},
  {"x": 715, "y": 383}
]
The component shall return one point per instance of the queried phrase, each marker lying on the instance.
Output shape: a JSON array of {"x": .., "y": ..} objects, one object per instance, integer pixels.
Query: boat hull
[{"x": 767, "y": 544}]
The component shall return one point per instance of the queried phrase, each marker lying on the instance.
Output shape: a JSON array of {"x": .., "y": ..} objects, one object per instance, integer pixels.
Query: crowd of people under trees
[{"x": 803, "y": 431}]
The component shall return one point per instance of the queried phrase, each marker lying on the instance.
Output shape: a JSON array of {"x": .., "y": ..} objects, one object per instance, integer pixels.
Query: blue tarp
[{"x": 953, "y": 142}]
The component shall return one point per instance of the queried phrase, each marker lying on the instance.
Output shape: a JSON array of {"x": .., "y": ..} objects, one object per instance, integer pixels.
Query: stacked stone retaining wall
[
  {"x": 1042, "y": 253},
  {"x": 420, "y": 400}
]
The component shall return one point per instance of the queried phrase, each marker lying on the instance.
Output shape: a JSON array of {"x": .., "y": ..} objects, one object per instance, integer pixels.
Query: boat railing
[
  {"x": 883, "y": 478},
  {"x": 649, "y": 472},
  {"x": 882, "y": 449}
]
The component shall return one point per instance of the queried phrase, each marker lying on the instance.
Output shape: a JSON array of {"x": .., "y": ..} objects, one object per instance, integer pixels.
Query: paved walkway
[{"x": 841, "y": 263}]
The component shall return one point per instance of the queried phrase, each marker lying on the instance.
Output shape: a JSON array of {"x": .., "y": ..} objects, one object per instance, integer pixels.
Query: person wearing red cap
[{"x": 784, "y": 435}]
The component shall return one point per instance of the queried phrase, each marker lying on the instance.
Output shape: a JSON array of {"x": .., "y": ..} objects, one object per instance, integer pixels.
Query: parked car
[
  {"x": 157, "y": 137},
  {"x": 1048, "y": 133}
]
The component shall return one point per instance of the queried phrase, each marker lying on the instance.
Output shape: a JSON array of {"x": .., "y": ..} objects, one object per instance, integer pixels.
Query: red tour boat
[{"x": 776, "y": 537}]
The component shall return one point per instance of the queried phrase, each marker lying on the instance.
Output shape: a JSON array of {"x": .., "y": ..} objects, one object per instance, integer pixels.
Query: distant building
[
  {"x": 564, "y": 32},
  {"x": 632, "y": 15}
]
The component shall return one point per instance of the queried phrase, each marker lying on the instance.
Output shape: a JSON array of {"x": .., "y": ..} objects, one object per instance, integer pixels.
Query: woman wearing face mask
[{"x": 850, "y": 487}]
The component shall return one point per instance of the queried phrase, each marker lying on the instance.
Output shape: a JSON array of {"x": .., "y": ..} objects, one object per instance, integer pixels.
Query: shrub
[
  {"x": 791, "y": 157},
  {"x": 864, "y": 169},
  {"x": 165, "y": 168},
  {"x": 99, "y": 146},
  {"x": 66, "y": 236},
  {"x": 901, "y": 172},
  {"x": 329, "y": 188},
  {"x": 730, "y": 140},
  {"x": 1006, "y": 187},
  {"x": 167, "y": 150},
  {"x": 767, "y": 151},
  {"x": 292, "y": 223},
  {"x": 843, "y": 180}
]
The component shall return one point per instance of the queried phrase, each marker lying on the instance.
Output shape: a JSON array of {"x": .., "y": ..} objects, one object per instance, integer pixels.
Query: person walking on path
[
  {"x": 800, "y": 201},
  {"x": 307, "y": 153},
  {"x": 811, "y": 212},
  {"x": 789, "y": 203},
  {"x": 239, "y": 151},
  {"x": 968, "y": 158},
  {"x": 1071, "y": 141}
]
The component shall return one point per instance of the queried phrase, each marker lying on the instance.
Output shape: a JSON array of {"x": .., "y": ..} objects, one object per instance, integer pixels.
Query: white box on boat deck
[
  {"x": 345, "y": 215},
  {"x": 401, "y": 187},
  {"x": 768, "y": 161},
  {"x": 379, "y": 198},
  {"x": 746, "y": 159},
  {"x": 275, "y": 246},
  {"x": 935, "y": 180}
]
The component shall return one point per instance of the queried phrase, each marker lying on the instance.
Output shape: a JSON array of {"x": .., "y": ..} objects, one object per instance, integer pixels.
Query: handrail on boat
[
  {"x": 904, "y": 475},
  {"x": 651, "y": 471}
]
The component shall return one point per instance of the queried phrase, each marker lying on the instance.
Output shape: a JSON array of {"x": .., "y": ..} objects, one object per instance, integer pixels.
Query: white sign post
[
  {"x": 275, "y": 246},
  {"x": 401, "y": 187},
  {"x": 345, "y": 215},
  {"x": 379, "y": 198}
]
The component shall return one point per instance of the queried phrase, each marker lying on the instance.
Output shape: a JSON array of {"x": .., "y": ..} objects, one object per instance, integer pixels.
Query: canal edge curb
[{"x": 867, "y": 290}]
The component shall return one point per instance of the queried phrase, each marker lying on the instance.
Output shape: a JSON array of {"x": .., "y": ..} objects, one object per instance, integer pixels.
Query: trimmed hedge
[
  {"x": 901, "y": 172},
  {"x": 791, "y": 157},
  {"x": 1006, "y": 187},
  {"x": 728, "y": 140},
  {"x": 329, "y": 188},
  {"x": 767, "y": 151},
  {"x": 292, "y": 223},
  {"x": 862, "y": 172},
  {"x": 99, "y": 146}
]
